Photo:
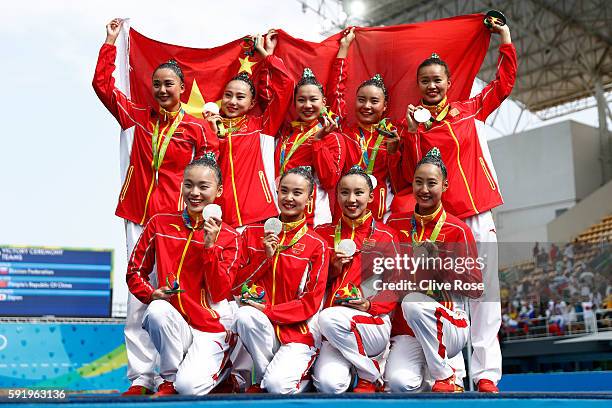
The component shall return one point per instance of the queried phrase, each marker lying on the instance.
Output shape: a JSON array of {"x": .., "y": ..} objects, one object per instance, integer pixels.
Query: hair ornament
[
  {"x": 435, "y": 153},
  {"x": 210, "y": 156},
  {"x": 308, "y": 73}
]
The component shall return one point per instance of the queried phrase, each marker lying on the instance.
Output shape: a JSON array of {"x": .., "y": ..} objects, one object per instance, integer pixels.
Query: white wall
[
  {"x": 541, "y": 171},
  {"x": 585, "y": 145}
]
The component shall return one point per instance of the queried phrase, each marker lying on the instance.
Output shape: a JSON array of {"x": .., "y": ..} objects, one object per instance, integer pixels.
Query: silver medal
[
  {"x": 212, "y": 210},
  {"x": 421, "y": 115},
  {"x": 273, "y": 225},
  {"x": 347, "y": 247}
]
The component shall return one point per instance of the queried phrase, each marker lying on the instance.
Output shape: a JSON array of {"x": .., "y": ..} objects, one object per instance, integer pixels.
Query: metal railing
[{"x": 542, "y": 327}]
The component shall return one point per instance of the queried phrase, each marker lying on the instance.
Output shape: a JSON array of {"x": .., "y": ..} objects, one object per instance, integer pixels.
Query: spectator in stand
[
  {"x": 590, "y": 321},
  {"x": 553, "y": 253},
  {"x": 572, "y": 318},
  {"x": 568, "y": 253},
  {"x": 543, "y": 258}
]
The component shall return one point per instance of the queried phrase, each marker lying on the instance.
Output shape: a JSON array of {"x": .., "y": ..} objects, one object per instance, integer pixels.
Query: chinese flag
[{"x": 395, "y": 52}]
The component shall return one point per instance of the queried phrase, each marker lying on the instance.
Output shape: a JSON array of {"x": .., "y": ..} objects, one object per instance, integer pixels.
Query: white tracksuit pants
[
  {"x": 193, "y": 360},
  {"x": 141, "y": 354},
  {"x": 241, "y": 362},
  {"x": 439, "y": 335},
  {"x": 279, "y": 368},
  {"x": 406, "y": 368},
  {"x": 485, "y": 316},
  {"x": 354, "y": 339}
]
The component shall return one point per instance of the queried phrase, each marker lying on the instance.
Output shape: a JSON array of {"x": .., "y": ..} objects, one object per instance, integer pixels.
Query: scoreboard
[{"x": 38, "y": 281}]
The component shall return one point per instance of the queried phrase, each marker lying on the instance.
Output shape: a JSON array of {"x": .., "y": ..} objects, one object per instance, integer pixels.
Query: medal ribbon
[
  {"x": 160, "y": 152},
  {"x": 437, "y": 112},
  {"x": 187, "y": 221},
  {"x": 295, "y": 239},
  {"x": 284, "y": 157},
  {"x": 369, "y": 160},
  {"x": 338, "y": 229},
  {"x": 434, "y": 233},
  {"x": 223, "y": 131}
]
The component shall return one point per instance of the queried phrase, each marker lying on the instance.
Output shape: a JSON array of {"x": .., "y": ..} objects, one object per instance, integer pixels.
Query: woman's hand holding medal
[
  {"x": 212, "y": 227},
  {"x": 214, "y": 119},
  {"x": 345, "y": 249},
  {"x": 410, "y": 120},
  {"x": 426, "y": 249},
  {"x": 338, "y": 260},
  {"x": 270, "y": 243}
]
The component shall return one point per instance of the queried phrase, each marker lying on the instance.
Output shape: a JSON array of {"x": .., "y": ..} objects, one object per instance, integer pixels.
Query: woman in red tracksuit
[
  {"x": 165, "y": 140},
  {"x": 283, "y": 282},
  {"x": 195, "y": 258},
  {"x": 473, "y": 190},
  {"x": 356, "y": 327},
  {"x": 439, "y": 326},
  {"x": 308, "y": 142},
  {"x": 376, "y": 152},
  {"x": 246, "y": 141}
]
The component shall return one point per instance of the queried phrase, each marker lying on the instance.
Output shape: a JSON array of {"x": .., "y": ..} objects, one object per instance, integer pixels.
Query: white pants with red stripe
[
  {"x": 356, "y": 340},
  {"x": 279, "y": 368},
  {"x": 485, "y": 316},
  {"x": 406, "y": 368},
  {"x": 193, "y": 360},
  {"x": 241, "y": 362},
  {"x": 441, "y": 334},
  {"x": 141, "y": 354},
  {"x": 458, "y": 364}
]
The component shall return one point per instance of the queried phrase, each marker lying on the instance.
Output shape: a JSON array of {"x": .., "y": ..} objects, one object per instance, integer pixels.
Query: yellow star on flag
[
  {"x": 246, "y": 65},
  {"x": 195, "y": 104}
]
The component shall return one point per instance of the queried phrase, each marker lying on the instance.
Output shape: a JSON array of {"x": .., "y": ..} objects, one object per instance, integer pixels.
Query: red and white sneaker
[
  {"x": 166, "y": 388},
  {"x": 365, "y": 386},
  {"x": 137, "y": 390},
  {"x": 446, "y": 385},
  {"x": 485, "y": 385}
]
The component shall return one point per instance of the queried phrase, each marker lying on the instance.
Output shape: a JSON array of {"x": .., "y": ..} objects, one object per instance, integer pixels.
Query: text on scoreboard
[{"x": 54, "y": 281}]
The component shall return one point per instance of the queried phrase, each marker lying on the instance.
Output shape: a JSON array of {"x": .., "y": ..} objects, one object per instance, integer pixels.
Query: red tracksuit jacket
[
  {"x": 179, "y": 254},
  {"x": 325, "y": 156},
  {"x": 247, "y": 197},
  {"x": 293, "y": 280},
  {"x": 385, "y": 163},
  {"x": 371, "y": 237},
  {"x": 454, "y": 236},
  {"x": 141, "y": 195},
  {"x": 472, "y": 188}
]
